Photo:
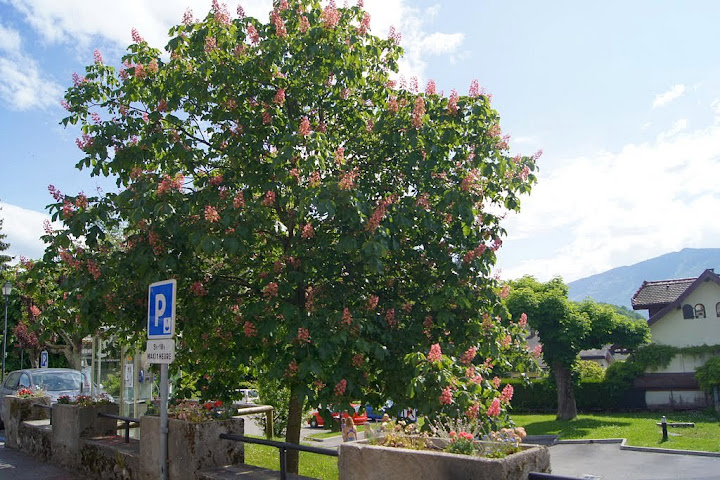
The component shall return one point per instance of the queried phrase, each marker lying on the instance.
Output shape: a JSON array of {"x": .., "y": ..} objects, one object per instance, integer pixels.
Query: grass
[
  {"x": 640, "y": 429},
  {"x": 312, "y": 465}
]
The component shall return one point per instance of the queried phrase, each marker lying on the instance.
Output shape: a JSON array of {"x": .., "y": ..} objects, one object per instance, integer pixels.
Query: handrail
[
  {"x": 267, "y": 409},
  {"x": 126, "y": 420},
  {"x": 282, "y": 446}
]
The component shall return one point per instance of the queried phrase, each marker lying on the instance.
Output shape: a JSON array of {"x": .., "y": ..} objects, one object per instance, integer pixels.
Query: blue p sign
[{"x": 161, "y": 309}]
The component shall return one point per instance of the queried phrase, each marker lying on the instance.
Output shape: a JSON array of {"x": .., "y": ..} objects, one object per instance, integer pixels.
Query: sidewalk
[{"x": 17, "y": 465}]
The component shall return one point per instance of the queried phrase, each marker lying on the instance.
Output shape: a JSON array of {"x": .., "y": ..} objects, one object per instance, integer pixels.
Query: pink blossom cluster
[
  {"x": 292, "y": 369},
  {"x": 198, "y": 289},
  {"x": 239, "y": 200},
  {"x": 472, "y": 375},
  {"x": 423, "y": 201},
  {"x": 279, "y": 98},
  {"x": 390, "y": 318},
  {"x": 347, "y": 317},
  {"x": 85, "y": 142},
  {"x": 169, "y": 184},
  {"x": 494, "y": 408},
  {"x": 81, "y": 201},
  {"x": 523, "y": 321},
  {"x": 97, "y": 56},
  {"x": 308, "y": 231},
  {"x": 340, "y": 387},
  {"x": 35, "y": 311},
  {"x": 303, "y": 335},
  {"x": 468, "y": 356},
  {"x": 210, "y": 44},
  {"x": 358, "y": 360},
  {"x": 393, "y": 106},
  {"x": 364, "y": 24},
  {"x": 394, "y": 35},
  {"x": 379, "y": 213},
  {"x": 427, "y": 325},
  {"x": 211, "y": 214},
  {"x": 537, "y": 351},
  {"x": 68, "y": 258},
  {"x": 249, "y": 329},
  {"x": 474, "y": 253},
  {"x": 221, "y": 12},
  {"x": 93, "y": 269},
  {"x": 330, "y": 15},
  {"x": 523, "y": 174},
  {"x": 347, "y": 182},
  {"x": 340, "y": 155},
  {"x": 414, "y": 86},
  {"x": 455, "y": 436},
  {"x": 188, "y": 18},
  {"x": 446, "y": 397},
  {"x": 473, "y": 411},
  {"x": 136, "y": 36},
  {"x": 279, "y": 24},
  {"x": 504, "y": 292},
  {"x": 372, "y": 302},
  {"x": 418, "y": 112},
  {"x": 47, "y": 227},
  {"x": 78, "y": 80},
  {"x": 304, "y": 24},
  {"x": 507, "y": 394},
  {"x": 270, "y": 290},
  {"x": 435, "y": 354},
  {"x": 452, "y": 103},
  {"x": 304, "y": 128},
  {"x": 269, "y": 199},
  {"x": 496, "y": 382},
  {"x": 253, "y": 33},
  {"x": 496, "y": 244}
]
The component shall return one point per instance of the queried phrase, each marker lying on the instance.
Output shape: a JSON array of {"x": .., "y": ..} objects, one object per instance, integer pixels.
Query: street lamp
[{"x": 6, "y": 291}]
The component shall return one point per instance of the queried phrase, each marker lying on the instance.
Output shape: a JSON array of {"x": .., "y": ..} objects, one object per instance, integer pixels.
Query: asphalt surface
[{"x": 596, "y": 461}]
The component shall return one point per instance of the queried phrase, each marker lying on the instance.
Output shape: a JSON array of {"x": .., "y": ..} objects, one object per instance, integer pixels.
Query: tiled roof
[{"x": 660, "y": 292}]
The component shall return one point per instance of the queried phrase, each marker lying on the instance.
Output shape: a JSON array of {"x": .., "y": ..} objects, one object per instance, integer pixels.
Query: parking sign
[
  {"x": 44, "y": 359},
  {"x": 161, "y": 309}
]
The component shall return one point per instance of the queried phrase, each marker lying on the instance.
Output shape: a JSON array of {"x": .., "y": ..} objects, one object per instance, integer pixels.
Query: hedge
[{"x": 540, "y": 395}]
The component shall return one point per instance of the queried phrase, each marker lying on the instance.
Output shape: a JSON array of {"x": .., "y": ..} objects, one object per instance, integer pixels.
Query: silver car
[{"x": 56, "y": 382}]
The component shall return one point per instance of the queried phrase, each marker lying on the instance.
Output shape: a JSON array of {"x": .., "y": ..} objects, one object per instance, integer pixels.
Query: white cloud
[
  {"x": 23, "y": 86},
  {"x": 593, "y": 213},
  {"x": 664, "y": 98},
  {"x": 23, "y": 228},
  {"x": 9, "y": 40}
]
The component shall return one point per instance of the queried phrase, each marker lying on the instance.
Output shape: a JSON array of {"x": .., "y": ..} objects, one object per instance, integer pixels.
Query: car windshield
[{"x": 57, "y": 381}]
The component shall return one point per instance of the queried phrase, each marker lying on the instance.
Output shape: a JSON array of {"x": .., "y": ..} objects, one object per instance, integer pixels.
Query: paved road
[{"x": 588, "y": 461}]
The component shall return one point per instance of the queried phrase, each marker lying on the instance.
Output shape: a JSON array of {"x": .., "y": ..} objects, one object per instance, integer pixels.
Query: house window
[
  {"x": 699, "y": 310},
  {"x": 688, "y": 311},
  {"x": 717, "y": 309}
]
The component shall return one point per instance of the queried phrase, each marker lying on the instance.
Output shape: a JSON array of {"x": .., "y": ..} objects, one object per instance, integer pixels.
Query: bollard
[{"x": 663, "y": 424}]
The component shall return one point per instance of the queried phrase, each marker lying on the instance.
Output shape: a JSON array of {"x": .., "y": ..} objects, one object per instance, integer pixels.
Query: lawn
[
  {"x": 311, "y": 464},
  {"x": 640, "y": 429}
]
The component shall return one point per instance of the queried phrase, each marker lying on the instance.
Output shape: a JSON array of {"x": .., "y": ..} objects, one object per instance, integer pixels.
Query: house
[{"x": 682, "y": 313}]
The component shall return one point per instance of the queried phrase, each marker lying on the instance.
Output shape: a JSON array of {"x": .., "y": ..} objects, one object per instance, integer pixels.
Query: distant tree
[
  {"x": 566, "y": 327},
  {"x": 4, "y": 259}
]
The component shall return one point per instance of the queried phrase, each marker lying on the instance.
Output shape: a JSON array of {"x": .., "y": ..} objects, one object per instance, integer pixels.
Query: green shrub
[
  {"x": 708, "y": 376},
  {"x": 539, "y": 395},
  {"x": 588, "y": 370}
]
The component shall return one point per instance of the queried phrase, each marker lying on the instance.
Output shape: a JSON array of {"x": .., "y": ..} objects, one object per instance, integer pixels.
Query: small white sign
[{"x": 160, "y": 351}]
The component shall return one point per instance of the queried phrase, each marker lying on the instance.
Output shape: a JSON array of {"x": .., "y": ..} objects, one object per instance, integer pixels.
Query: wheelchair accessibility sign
[{"x": 161, "y": 309}]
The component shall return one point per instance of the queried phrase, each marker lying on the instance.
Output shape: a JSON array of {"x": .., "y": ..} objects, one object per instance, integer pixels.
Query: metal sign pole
[{"x": 163, "y": 420}]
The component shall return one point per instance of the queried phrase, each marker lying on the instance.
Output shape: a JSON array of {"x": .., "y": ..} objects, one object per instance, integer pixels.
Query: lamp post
[{"x": 6, "y": 291}]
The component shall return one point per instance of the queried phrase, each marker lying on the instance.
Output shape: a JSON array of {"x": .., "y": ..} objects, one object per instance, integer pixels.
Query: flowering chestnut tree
[{"x": 326, "y": 224}]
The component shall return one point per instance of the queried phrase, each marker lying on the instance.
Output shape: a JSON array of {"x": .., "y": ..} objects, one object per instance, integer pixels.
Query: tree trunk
[
  {"x": 294, "y": 425},
  {"x": 567, "y": 409}
]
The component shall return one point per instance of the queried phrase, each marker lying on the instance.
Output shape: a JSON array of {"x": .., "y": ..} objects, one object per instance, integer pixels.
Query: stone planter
[
  {"x": 19, "y": 409},
  {"x": 192, "y": 446},
  {"x": 359, "y": 460},
  {"x": 72, "y": 423}
]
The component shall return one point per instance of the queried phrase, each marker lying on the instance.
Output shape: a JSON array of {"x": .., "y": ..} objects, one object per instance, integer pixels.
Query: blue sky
[{"x": 622, "y": 97}]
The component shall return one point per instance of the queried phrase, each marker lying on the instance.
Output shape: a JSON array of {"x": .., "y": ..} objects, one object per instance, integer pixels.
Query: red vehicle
[{"x": 359, "y": 417}]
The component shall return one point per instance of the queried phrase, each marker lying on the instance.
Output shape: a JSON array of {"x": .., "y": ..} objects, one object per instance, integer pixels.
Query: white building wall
[{"x": 674, "y": 330}]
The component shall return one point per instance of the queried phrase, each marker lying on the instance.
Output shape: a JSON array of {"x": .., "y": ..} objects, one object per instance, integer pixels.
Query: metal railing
[
  {"x": 126, "y": 423},
  {"x": 282, "y": 446}
]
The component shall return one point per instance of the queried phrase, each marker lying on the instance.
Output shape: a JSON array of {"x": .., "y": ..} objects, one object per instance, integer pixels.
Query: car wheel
[{"x": 313, "y": 423}]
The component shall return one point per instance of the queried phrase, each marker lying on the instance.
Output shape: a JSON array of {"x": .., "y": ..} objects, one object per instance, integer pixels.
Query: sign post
[
  {"x": 161, "y": 349},
  {"x": 44, "y": 359}
]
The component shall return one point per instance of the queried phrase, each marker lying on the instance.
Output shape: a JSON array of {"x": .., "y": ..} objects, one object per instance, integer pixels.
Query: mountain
[{"x": 617, "y": 286}]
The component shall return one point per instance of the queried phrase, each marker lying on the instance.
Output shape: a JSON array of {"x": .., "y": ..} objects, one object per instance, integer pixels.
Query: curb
[{"x": 624, "y": 446}]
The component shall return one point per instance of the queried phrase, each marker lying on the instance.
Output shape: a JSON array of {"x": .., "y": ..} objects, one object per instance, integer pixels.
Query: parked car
[
  {"x": 57, "y": 382},
  {"x": 248, "y": 395},
  {"x": 359, "y": 417},
  {"x": 407, "y": 414}
]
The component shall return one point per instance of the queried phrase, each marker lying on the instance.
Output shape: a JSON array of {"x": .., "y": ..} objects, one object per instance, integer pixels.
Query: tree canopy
[
  {"x": 327, "y": 225},
  {"x": 566, "y": 327}
]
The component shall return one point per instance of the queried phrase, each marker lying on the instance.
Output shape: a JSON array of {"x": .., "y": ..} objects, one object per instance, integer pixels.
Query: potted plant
[
  {"x": 20, "y": 407},
  {"x": 194, "y": 442},
  {"x": 74, "y": 418}
]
